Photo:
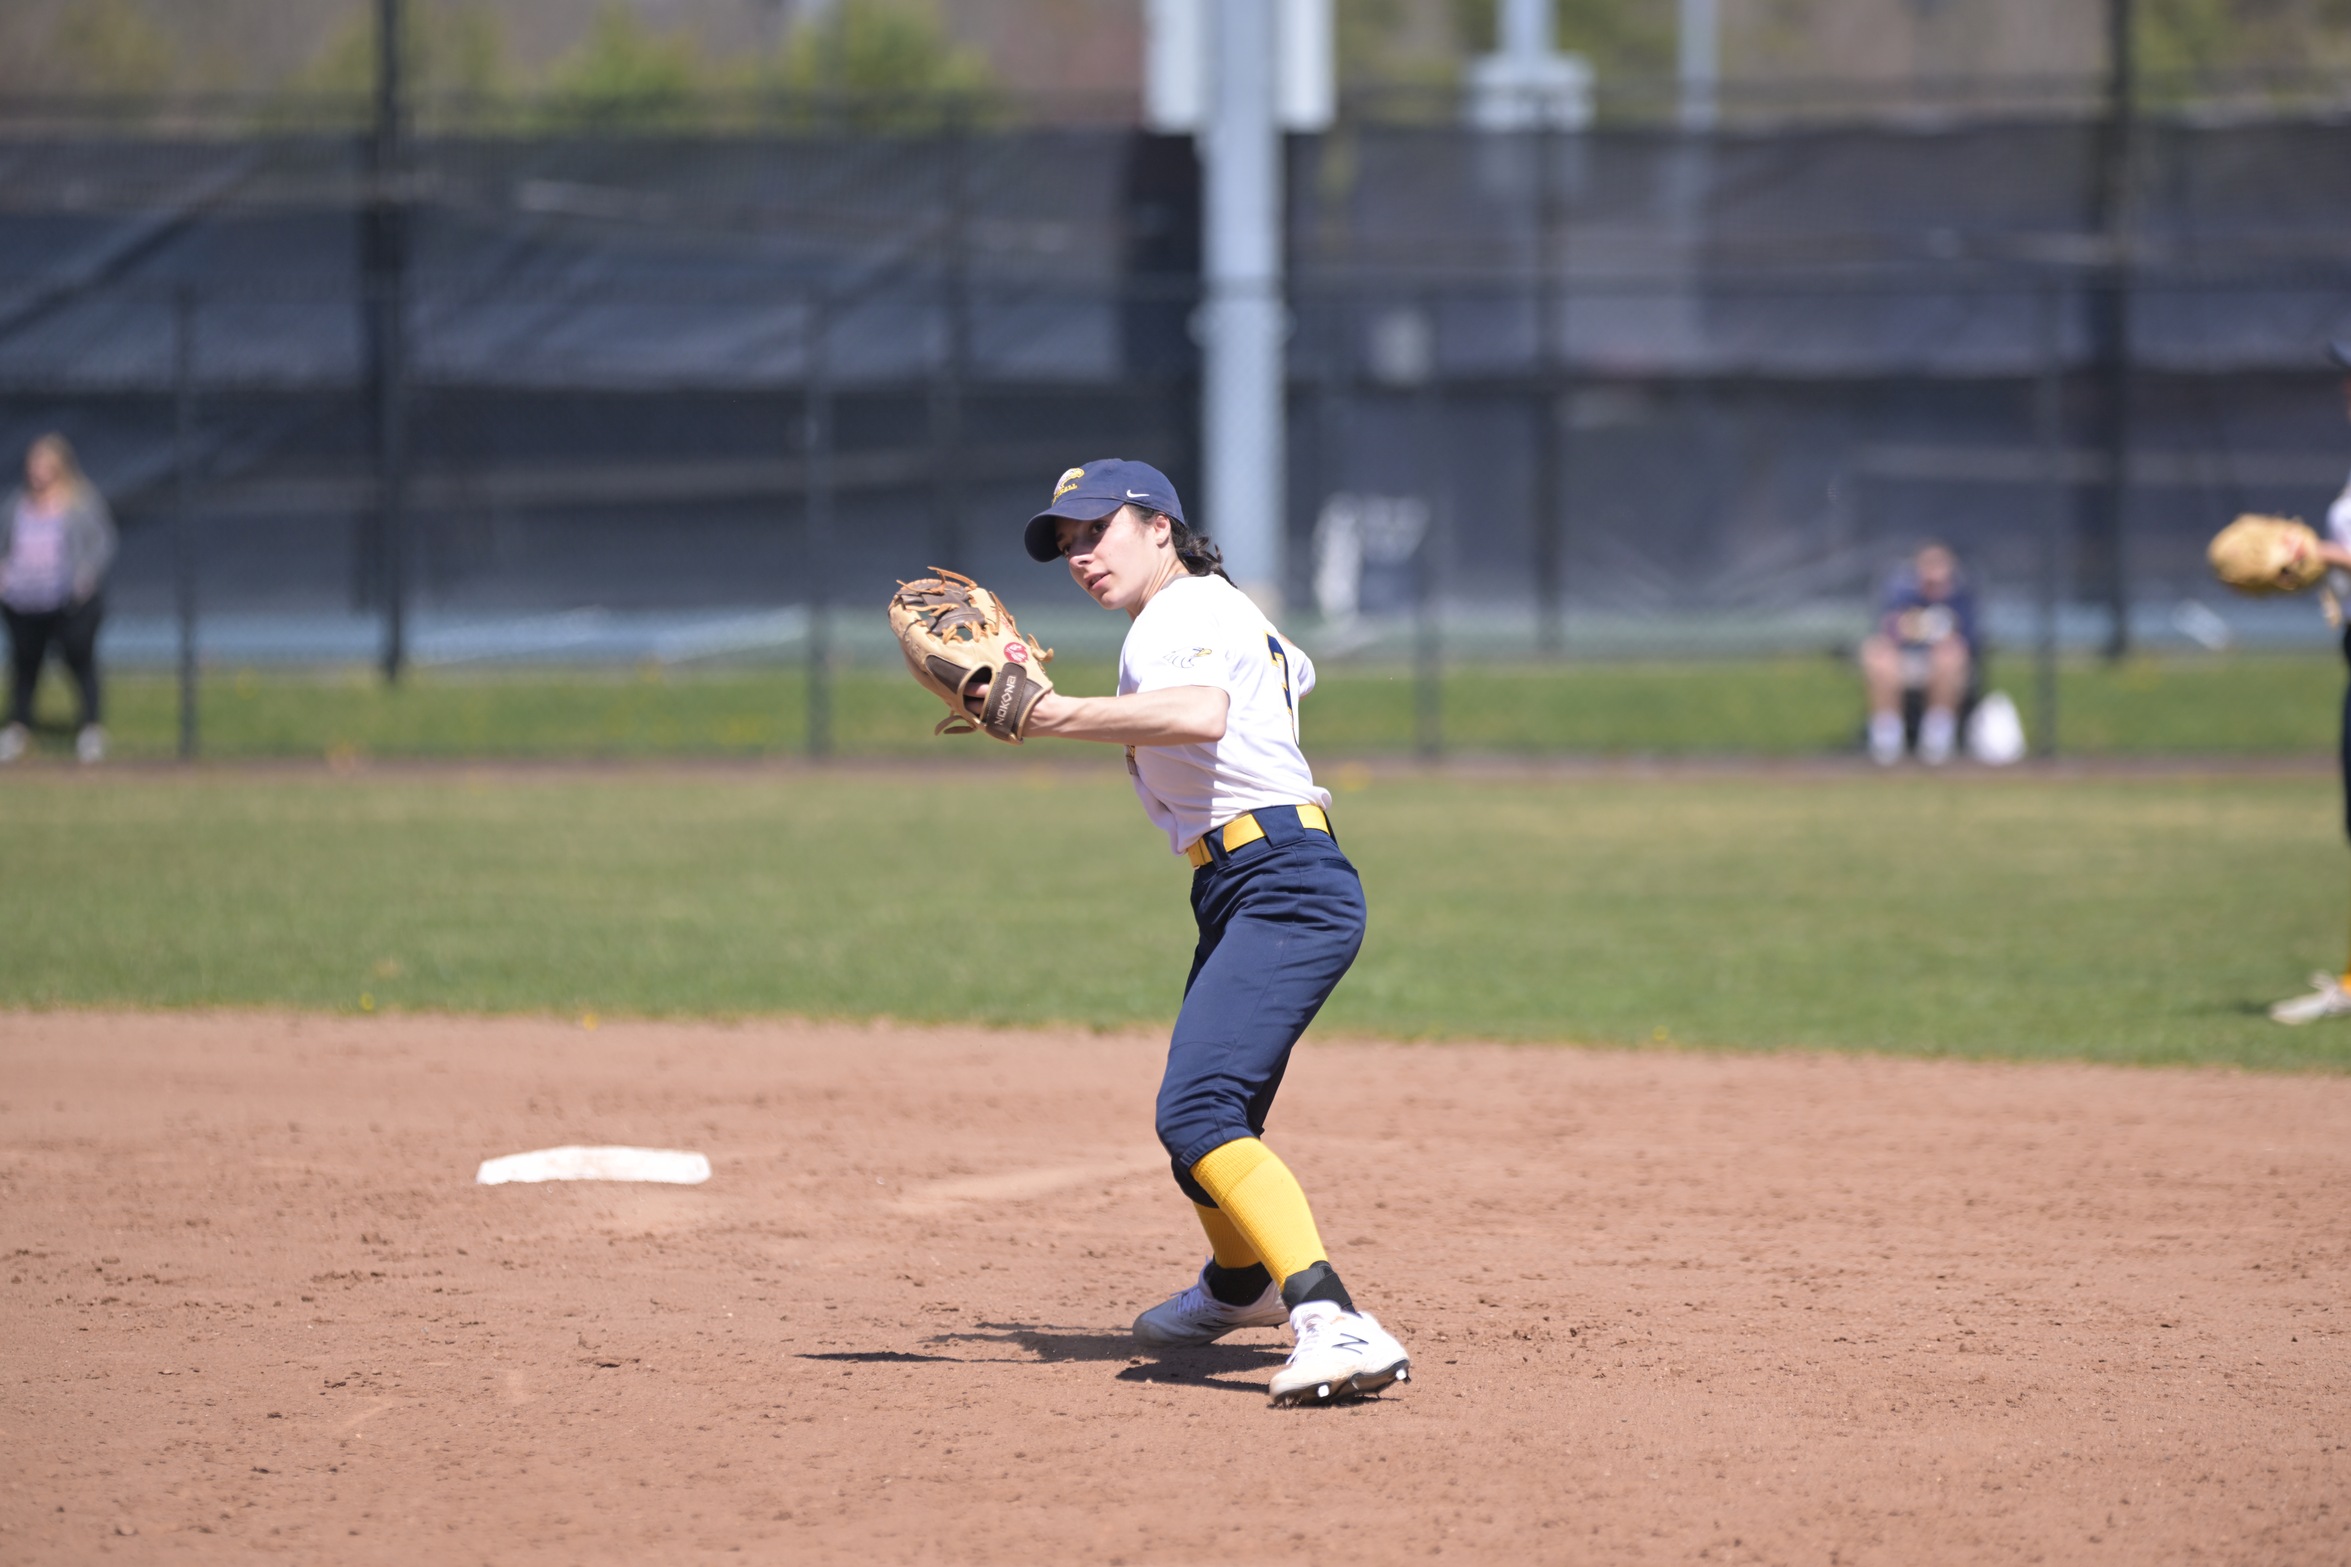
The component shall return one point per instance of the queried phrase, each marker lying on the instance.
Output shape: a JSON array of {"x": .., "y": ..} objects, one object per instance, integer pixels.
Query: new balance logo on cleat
[{"x": 1341, "y": 1355}]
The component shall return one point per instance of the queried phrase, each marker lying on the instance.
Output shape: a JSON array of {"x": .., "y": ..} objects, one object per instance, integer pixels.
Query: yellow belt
[{"x": 1244, "y": 829}]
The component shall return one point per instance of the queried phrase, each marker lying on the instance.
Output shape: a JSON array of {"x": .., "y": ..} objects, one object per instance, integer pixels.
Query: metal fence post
[
  {"x": 817, "y": 441},
  {"x": 2110, "y": 318},
  {"x": 2049, "y": 431},
  {"x": 947, "y": 478},
  {"x": 387, "y": 265},
  {"x": 183, "y": 544},
  {"x": 1428, "y": 650}
]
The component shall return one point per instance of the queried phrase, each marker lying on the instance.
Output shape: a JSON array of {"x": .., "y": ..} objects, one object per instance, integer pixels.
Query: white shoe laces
[
  {"x": 1314, "y": 1330},
  {"x": 1195, "y": 1301}
]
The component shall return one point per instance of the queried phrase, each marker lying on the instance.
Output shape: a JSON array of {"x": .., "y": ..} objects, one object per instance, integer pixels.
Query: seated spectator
[{"x": 1924, "y": 652}]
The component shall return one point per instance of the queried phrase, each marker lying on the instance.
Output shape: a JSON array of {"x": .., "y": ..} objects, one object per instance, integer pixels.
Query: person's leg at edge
[
  {"x": 2343, "y": 777},
  {"x": 2332, "y": 996}
]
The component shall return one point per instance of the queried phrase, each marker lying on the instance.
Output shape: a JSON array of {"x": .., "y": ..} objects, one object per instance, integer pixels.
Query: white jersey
[
  {"x": 37, "y": 575},
  {"x": 2339, "y": 530},
  {"x": 1203, "y": 631}
]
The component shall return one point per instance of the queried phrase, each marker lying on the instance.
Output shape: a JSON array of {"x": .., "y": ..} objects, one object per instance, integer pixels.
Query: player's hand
[
  {"x": 1044, "y": 718},
  {"x": 962, "y": 646}
]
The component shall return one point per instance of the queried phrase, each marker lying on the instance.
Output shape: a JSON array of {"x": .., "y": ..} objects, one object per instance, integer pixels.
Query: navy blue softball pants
[{"x": 1280, "y": 921}]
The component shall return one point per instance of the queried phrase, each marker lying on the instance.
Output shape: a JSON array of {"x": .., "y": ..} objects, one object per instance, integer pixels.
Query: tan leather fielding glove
[
  {"x": 964, "y": 648},
  {"x": 2260, "y": 554}
]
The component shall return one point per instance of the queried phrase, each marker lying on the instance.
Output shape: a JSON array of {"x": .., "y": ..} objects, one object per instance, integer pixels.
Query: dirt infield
[{"x": 1663, "y": 1307}]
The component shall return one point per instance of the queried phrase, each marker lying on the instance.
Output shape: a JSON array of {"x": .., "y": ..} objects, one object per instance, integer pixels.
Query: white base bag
[{"x": 669, "y": 1165}]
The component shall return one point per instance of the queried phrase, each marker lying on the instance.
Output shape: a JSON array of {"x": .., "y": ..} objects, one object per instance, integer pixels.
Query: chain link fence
[{"x": 693, "y": 398}]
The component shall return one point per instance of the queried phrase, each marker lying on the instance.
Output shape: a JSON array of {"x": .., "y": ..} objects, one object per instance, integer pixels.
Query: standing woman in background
[{"x": 56, "y": 541}]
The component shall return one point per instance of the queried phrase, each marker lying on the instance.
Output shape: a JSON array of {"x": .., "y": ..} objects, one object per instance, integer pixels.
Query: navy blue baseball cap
[{"x": 1096, "y": 490}]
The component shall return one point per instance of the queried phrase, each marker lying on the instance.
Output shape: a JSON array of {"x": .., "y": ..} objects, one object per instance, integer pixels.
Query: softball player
[
  {"x": 2331, "y": 993},
  {"x": 1207, "y": 708}
]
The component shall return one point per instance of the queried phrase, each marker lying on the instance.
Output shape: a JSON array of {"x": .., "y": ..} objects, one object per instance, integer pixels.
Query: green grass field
[
  {"x": 2242, "y": 705},
  {"x": 2139, "y": 920}
]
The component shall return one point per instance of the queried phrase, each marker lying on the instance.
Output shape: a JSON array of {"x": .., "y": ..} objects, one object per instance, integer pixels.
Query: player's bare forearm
[
  {"x": 1180, "y": 715},
  {"x": 2334, "y": 554}
]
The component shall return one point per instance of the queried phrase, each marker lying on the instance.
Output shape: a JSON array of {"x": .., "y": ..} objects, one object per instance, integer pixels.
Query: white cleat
[
  {"x": 1938, "y": 733},
  {"x": 13, "y": 741},
  {"x": 1194, "y": 1316},
  {"x": 2327, "y": 998},
  {"x": 1340, "y": 1355},
  {"x": 90, "y": 745},
  {"x": 1885, "y": 739}
]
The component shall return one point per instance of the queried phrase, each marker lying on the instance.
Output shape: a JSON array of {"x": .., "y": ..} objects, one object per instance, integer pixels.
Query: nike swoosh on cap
[{"x": 1137, "y": 495}]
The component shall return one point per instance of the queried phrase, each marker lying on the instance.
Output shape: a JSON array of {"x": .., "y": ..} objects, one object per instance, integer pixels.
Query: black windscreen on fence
[{"x": 1591, "y": 382}]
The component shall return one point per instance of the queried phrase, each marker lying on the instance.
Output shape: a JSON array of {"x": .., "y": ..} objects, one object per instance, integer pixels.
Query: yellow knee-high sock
[
  {"x": 1232, "y": 1248},
  {"x": 1257, "y": 1192}
]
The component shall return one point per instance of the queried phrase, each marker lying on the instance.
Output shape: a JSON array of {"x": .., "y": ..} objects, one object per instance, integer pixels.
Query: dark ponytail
[{"x": 1200, "y": 557}]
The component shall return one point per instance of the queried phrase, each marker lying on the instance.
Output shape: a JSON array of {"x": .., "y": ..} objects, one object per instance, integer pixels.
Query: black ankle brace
[
  {"x": 1237, "y": 1286},
  {"x": 1316, "y": 1281}
]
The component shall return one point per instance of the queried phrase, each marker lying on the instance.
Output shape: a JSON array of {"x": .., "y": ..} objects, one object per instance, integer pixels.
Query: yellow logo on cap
[{"x": 1067, "y": 482}]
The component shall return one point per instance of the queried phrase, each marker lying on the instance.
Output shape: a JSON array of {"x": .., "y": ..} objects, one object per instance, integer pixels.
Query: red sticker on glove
[{"x": 1015, "y": 652}]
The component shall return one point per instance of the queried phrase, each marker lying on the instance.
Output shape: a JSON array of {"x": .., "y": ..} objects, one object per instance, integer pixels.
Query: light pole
[
  {"x": 1700, "y": 62},
  {"x": 1242, "y": 315}
]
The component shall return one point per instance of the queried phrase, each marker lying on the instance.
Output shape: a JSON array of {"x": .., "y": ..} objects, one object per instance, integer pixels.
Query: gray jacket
[{"x": 90, "y": 539}]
